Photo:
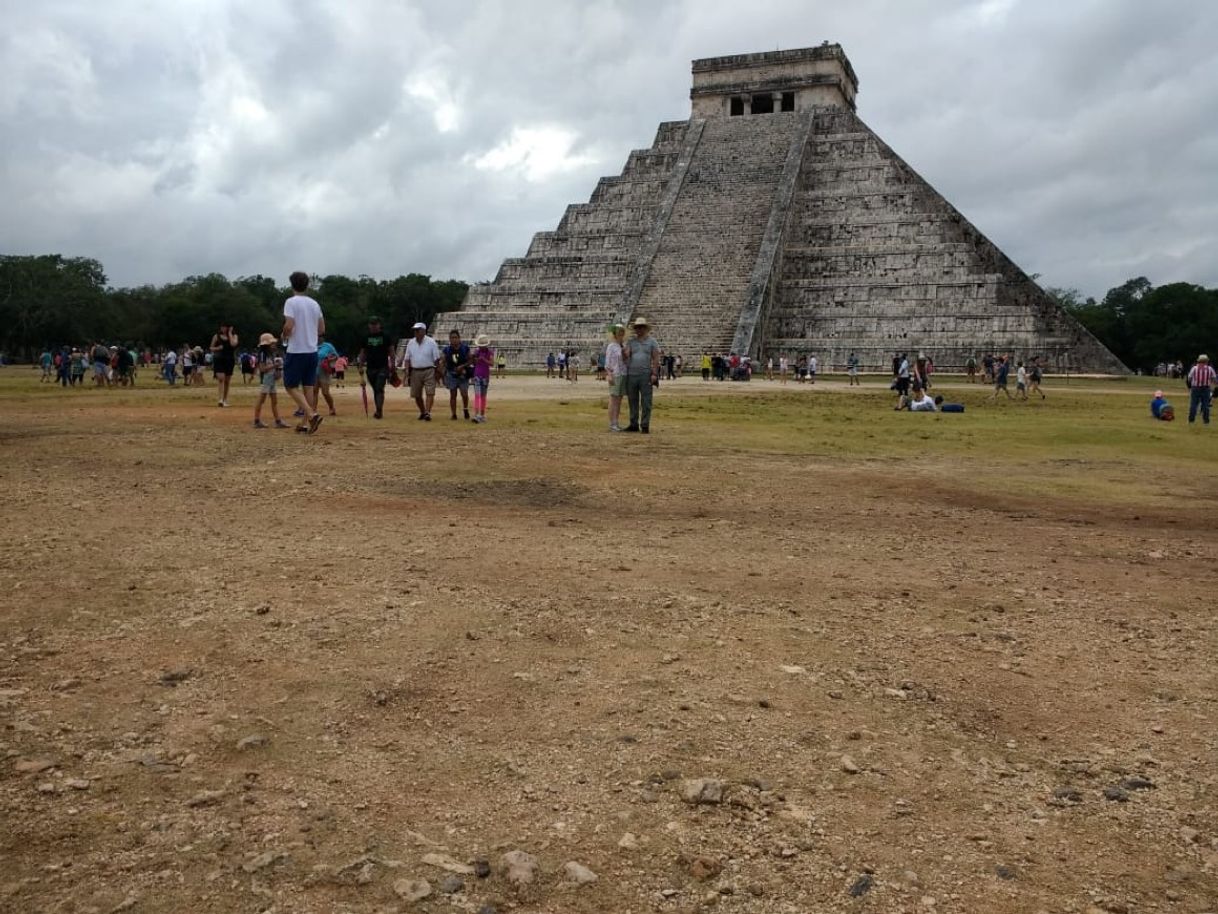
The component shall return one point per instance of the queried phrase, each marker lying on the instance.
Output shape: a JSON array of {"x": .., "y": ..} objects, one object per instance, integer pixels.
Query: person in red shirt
[{"x": 1201, "y": 380}]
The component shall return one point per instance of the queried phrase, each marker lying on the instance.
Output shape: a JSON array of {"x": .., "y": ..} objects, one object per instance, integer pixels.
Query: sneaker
[
  {"x": 466, "y": 411},
  {"x": 426, "y": 417},
  {"x": 454, "y": 416},
  {"x": 279, "y": 423},
  {"x": 299, "y": 414},
  {"x": 220, "y": 403},
  {"x": 646, "y": 430},
  {"x": 314, "y": 423},
  {"x": 302, "y": 429},
  {"x": 631, "y": 428},
  {"x": 615, "y": 428},
  {"x": 376, "y": 415},
  {"x": 258, "y": 423}
]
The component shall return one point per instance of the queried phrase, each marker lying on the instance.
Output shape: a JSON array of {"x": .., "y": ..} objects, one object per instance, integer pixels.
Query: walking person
[
  {"x": 550, "y": 364},
  {"x": 642, "y": 356},
  {"x": 852, "y": 370},
  {"x": 484, "y": 358},
  {"x": 1034, "y": 377},
  {"x": 422, "y": 362},
  {"x": 376, "y": 361},
  {"x": 170, "y": 366},
  {"x": 970, "y": 368},
  {"x": 501, "y": 366},
  {"x": 1002, "y": 371},
  {"x": 902, "y": 373},
  {"x": 327, "y": 356},
  {"x": 1200, "y": 380},
  {"x": 812, "y": 363},
  {"x": 457, "y": 367},
  {"x": 224, "y": 360},
  {"x": 615, "y": 369},
  {"x": 269, "y": 364},
  {"x": 705, "y": 364},
  {"x": 303, "y": 326}
]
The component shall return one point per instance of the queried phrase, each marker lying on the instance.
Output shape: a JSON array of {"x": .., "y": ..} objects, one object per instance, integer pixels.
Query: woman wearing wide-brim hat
[
  {"x": 642, "y": 356},
  {"x": 484, "y": 358},
  {"x": 615, "y": 372}
]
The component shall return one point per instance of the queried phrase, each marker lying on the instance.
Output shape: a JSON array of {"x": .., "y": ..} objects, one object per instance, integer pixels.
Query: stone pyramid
[{"x": 773, "y": 221}]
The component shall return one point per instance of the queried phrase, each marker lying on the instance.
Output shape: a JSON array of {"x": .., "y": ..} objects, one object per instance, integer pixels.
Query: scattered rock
[
  {"x": 412, "y": 890},
  {"x": 488, "y": 909},
  {"x": 849, "y": 766},
  {"x": 126, "y": 904},
  {"x": 703, "y": 868},
  {"x": 702, "y": 791},
  {"x": 253, "y": 741},
  {"x": 77, "y": 783},
  {"x": 66, "y": 685},
  {"x": 262, "y": 609},
  {"x": 482, "y": 868},
  {"x": 1137, "y": 783},
  {"x": 1002, "y": 871},
  {"x": 452, "y": 884},
  {"x": 1069, "y": 794},
  {"x": 578, "y": 873},
  {"x": 445, "y": 862},
  {"x": 46, "y": 787},
  {"x": 263, "y": 860},
  {"x": 205, "y": 798},
  {"x": 862, "y": 885},
  {"x": 793, "y": 670},
  {"x": 1116, "y": 794},
  {"x": 628, "y": 842},
  {"x": 519, "y": 867},
  {"x": 34, "y": 766},
  {"x": 173, "y": 677}
]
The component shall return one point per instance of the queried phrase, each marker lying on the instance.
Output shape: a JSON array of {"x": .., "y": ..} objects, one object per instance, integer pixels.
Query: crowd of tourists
[{"x": 307, "y": 366}]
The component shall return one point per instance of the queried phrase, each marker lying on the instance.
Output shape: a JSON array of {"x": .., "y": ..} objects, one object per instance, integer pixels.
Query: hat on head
[
  {"x": 640, "y": 322},
  {"x": 482, "y": 340},
  {"x": 1203, "y": 358},
  {"x": 616, "y": 326},
  {"x": 419, "y": 326},
  {"x": 373, "y": 319},
  {"x": 267, "y": 339}
]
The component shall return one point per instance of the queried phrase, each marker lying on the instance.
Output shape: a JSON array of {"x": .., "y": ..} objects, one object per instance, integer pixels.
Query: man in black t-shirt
[
  {"x": 376, "y": 359},
  {"x": 457, "y": 371}
]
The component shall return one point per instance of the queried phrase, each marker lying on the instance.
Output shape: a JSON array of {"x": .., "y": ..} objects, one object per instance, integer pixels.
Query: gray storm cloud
[{"x": 360, "y": 136}]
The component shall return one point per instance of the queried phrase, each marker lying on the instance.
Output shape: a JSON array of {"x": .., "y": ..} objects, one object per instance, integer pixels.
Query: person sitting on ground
[
  {"x": 918, "y": 403},
  {"x": 1161, "y": 409},
  {"x": 948, "y": 407}
]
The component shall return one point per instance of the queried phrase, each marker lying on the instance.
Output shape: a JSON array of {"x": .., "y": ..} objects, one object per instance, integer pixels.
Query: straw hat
[
  {"x": 640, "y": 322},
  {"x": 1203, "y": 358},
  {"x": 482, "y": 341},
  {"x": 267, "y": 339}
]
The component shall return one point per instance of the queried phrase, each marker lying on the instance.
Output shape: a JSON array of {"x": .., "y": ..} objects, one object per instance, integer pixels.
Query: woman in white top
[
  {"x": 782, "y": 368},
  {"x": 615, "y": 372}
]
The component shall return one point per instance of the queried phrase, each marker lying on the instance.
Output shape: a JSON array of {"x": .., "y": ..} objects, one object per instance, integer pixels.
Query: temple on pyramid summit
[{"x": 773, "y": 221}]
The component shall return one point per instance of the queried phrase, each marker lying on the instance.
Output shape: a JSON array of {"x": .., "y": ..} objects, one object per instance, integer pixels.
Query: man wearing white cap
[
  {"x": 642, "y": 357},
  {"x": 423, "y": 360},
  {"x": 1200, "y": 389}
]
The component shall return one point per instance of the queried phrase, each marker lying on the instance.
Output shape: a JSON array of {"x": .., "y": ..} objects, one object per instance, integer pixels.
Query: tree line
[
  {"x": 1144, "y": 325},
  {"x": 52, "y": 300}
]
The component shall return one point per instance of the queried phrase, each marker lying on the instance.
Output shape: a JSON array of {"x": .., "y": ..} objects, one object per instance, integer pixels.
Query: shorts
[
  {"x": 299, "y": 370},
  {"x": 617, "y": 387},
  {"x": 223, "y": 368},
  {"x": 340, "y": 375},
  {"x": 100, "y": 369},
  {"x": 422, "y": 379},
  {"x": 267, "y": 382},
  {"x": 453, "y": 381},
  {"x": 853, "y": 372},
  {"x": 187, "y": 370},
  {"x": 1021, "y": 386},
  {"x": 481, "y": 385},
  {"x": 323, "y": 379}
]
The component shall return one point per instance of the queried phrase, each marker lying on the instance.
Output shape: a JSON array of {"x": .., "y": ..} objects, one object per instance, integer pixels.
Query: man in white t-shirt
[
  {"x": 302, "y": 325},
  {"x": 423, "y": 360}
]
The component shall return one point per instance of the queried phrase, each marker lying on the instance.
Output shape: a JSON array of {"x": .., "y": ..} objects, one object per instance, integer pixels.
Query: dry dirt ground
[{"x": 251, "y": 671}]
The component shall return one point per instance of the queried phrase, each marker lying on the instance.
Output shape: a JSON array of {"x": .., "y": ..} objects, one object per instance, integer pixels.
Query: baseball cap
[{"x": 419, "y": 326}]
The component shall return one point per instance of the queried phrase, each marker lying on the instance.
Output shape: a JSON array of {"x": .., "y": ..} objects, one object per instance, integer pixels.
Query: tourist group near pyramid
[{"x": 774, "y": 222}]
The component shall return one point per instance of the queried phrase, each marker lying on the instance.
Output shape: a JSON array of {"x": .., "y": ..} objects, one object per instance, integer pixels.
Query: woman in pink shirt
[{"x": 484, "y": 359}]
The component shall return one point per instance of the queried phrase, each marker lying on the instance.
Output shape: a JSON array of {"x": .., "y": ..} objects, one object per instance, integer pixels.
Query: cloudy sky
[{"x": 176, "y": 137}]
